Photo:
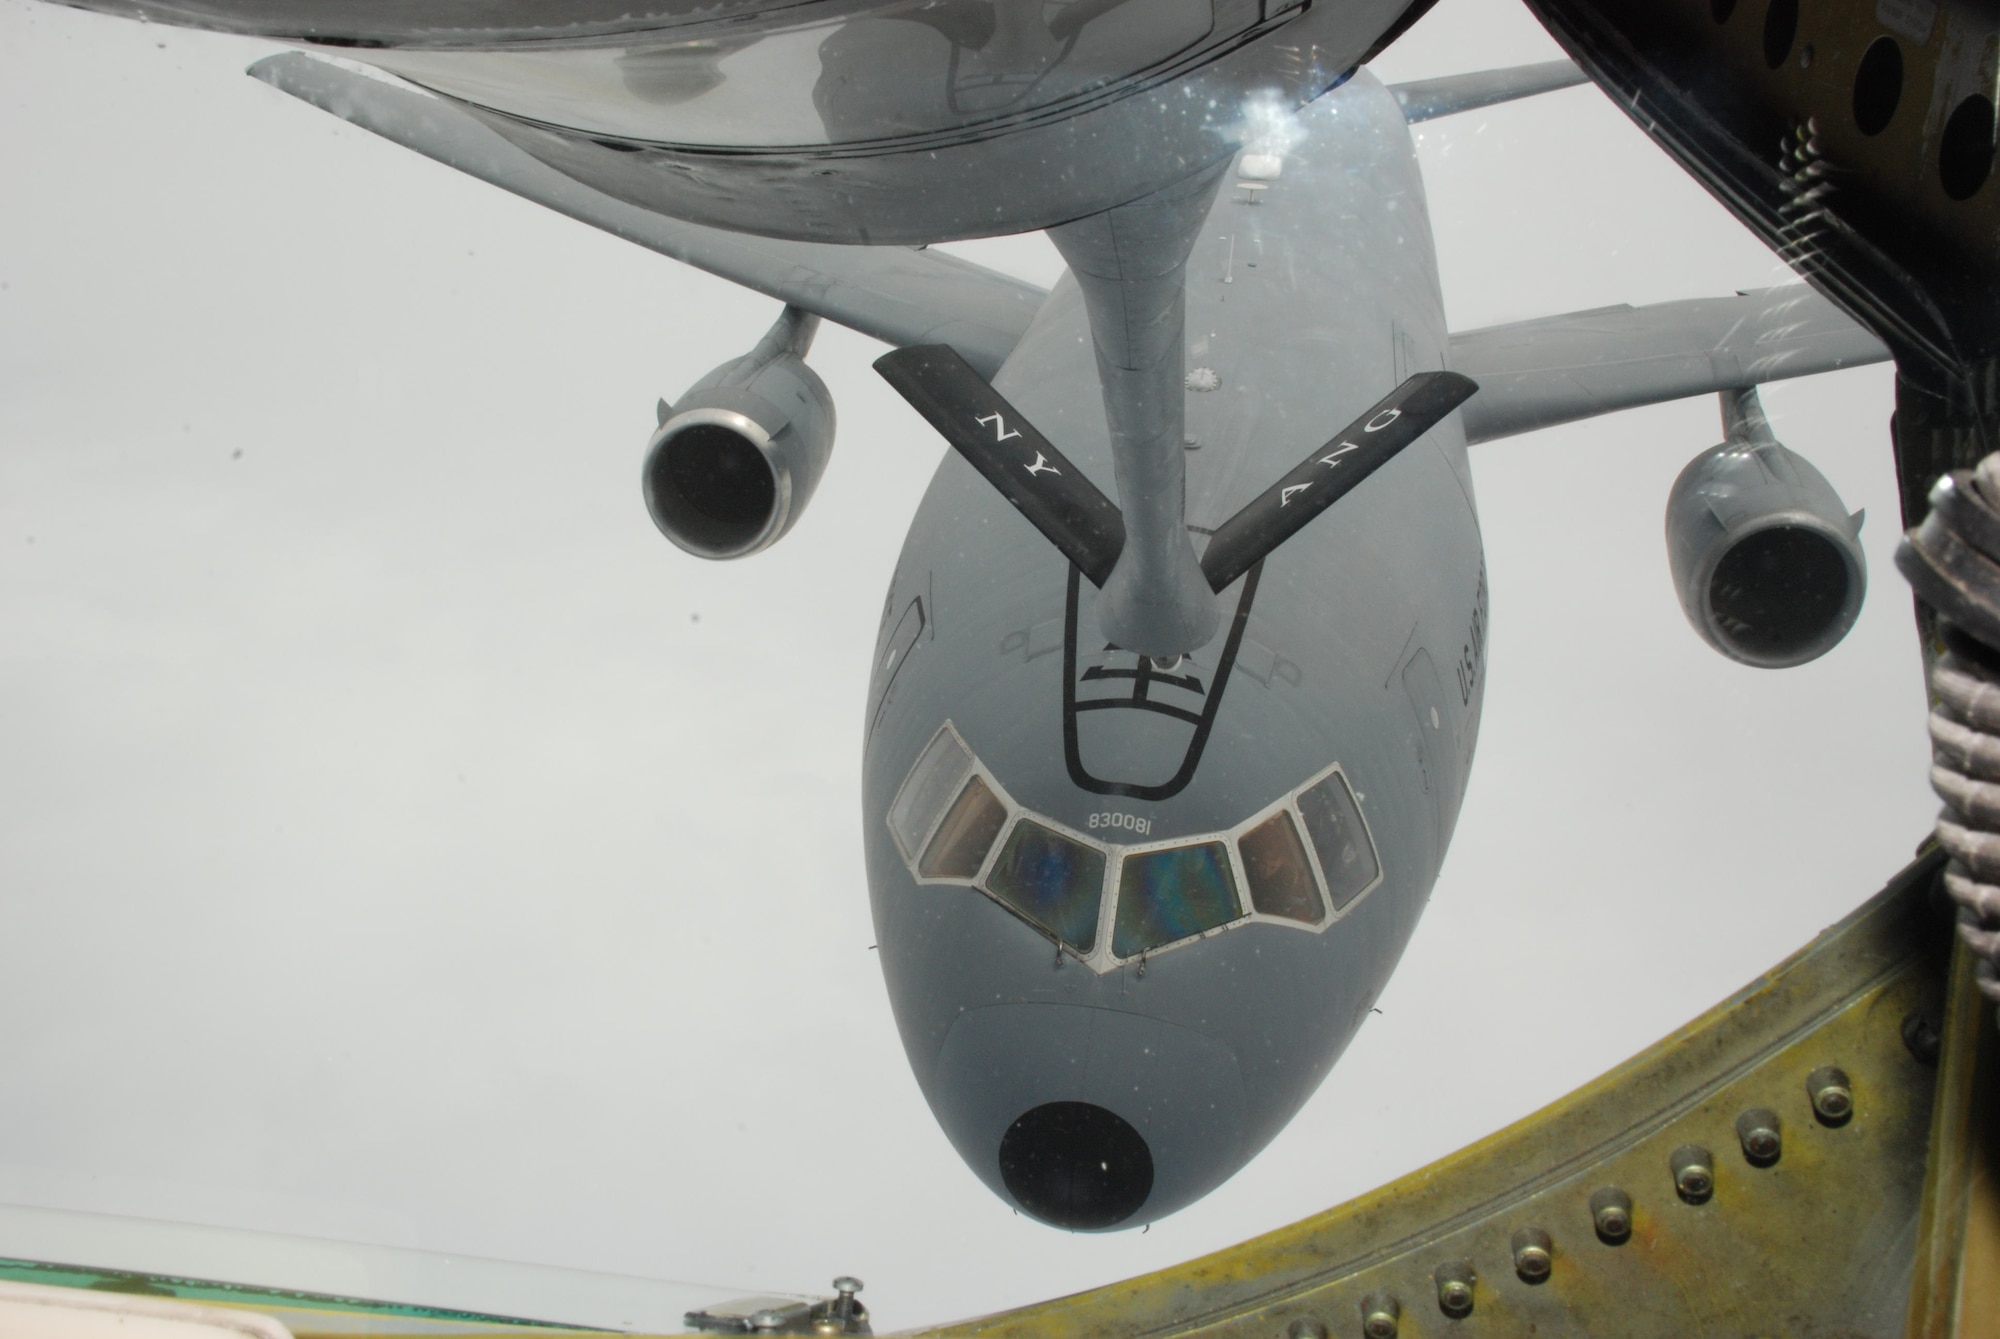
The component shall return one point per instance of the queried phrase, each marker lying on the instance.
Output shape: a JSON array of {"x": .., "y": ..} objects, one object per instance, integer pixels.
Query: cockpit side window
[
  {"x": 930, "y": 786},
  {"x": 1174, "y": 894},
  {"x": 1346, "y": 854},
  {"x": 966, "y": 835},
  {"x": 1278, "y": 870},
  {"x": 1053, "y": 881}
]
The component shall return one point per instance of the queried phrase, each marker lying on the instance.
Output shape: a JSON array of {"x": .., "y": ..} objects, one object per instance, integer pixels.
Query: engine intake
[
  {"x": 1766, "y": 560},
  {"x": 734, "y": 462}
]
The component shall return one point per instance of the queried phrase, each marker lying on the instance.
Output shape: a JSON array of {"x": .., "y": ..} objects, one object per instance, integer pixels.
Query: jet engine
[
  {"x": 735, "y": 460},
  {"x": 1766, "y": 560}
]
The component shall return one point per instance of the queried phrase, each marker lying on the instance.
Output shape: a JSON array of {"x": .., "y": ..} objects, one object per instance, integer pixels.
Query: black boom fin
[
  {"x": 1330, "y": 473},
  {"x": 1039, "y": 480}
]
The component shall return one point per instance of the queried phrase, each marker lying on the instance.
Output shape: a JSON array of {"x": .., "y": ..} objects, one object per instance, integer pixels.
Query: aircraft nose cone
[
  {"x": 1076, "y": 1165},
  {"x": 1090, "y": 1118}
]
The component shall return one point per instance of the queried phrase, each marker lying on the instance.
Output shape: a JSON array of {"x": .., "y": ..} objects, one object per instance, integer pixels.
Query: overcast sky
[{"x": 400, "y": 842}]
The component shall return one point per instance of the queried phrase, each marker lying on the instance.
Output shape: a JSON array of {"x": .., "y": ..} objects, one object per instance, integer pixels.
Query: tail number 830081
[{"x": 1129, "y": 822}]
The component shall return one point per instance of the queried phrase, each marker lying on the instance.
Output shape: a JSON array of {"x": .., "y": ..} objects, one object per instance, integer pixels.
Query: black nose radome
[{"x": 1075, "y": 1165}]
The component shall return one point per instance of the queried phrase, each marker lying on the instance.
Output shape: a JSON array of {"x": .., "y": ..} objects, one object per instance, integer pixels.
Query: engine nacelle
[
  {"x": 736, "y": 459},
  {"x": 1766, "y": 560}
]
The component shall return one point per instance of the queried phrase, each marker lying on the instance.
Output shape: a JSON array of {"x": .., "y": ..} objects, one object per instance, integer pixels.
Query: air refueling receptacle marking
[{"x": 1203, "y": 724}]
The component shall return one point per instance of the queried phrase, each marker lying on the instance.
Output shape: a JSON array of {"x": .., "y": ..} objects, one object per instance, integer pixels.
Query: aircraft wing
[
  {"x": 1535, "y": 374},
  {"x": 891, "y": 293}
]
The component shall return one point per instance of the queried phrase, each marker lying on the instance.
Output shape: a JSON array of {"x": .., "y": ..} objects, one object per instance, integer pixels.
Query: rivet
[
  {"x": 846, "y": 1314},
  {"x": 1305, "y": 1327},
  {"x": 1832, "y": 1094},
  {"x": 767, "y": 1321},
  {"x": 1534, "y": 1254},
  {"x": 1380, "y": 1316},
  {"x": 1694, "y": 1172},
  {"x": 1758, "y": 1130},
  {"x": 1611, "y": 1213},
  {"x": 1454, "y": 1283},
  {"x": 1920, "y": 1034}
]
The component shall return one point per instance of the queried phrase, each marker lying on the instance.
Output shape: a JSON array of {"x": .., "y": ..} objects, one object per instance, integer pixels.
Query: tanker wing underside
[
  {"x": 895, "y": 294},
  {"x": 1557, "y": 369}
]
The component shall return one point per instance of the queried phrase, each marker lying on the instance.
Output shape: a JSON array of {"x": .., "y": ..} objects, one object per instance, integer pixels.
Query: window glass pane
[
  {"x": 966, "y": 834},
  {"x": 1274, "y": 860},
  {"x": 927, "y": 790},
  {"x": 1169, "y": 895},
  {"x": 1053, "y": 881},
  {"x": 1333, "y": 821}
]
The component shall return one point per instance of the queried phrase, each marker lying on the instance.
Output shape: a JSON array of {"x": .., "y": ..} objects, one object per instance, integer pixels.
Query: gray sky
[{"x": 401, "y": 842}]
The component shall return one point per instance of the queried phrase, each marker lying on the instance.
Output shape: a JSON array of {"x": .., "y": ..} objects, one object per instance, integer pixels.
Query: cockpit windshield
[
  {"x": 1054, "y": 881},
  {"x": 1301, "y": 862},
  {"x": 1165, "y": 896}
]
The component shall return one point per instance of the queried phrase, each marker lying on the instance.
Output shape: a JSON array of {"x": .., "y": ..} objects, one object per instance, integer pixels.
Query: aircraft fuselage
[{"x": 1093, "y": 959}]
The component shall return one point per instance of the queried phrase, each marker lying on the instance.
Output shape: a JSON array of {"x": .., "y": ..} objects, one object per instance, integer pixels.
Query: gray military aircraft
[{"x": 1156, "y": 780}]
